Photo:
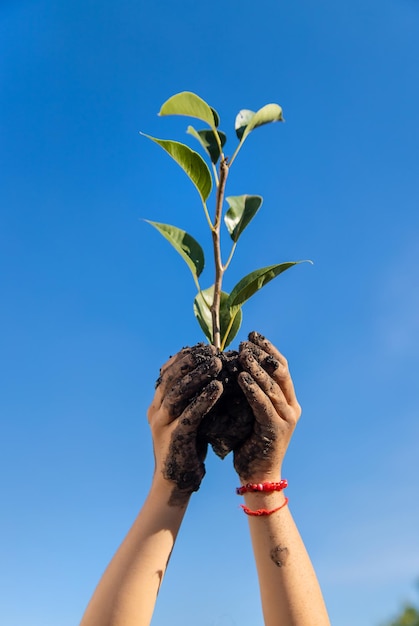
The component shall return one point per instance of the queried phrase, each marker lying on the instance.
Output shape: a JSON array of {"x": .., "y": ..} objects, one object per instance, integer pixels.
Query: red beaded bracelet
[
  {"x": 266, "y": 487},
  {"x": 260, "y": 512}
]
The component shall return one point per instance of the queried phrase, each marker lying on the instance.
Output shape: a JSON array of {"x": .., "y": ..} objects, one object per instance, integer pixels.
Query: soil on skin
[{"x": 230, "y": 422}]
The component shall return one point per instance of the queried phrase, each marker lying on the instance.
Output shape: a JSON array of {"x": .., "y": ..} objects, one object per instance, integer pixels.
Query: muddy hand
[
  {"x": 186, "y": 391},
  {"x": 267, "y": 385}
]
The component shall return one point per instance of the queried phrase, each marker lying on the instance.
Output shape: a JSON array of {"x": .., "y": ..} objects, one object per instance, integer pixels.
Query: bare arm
[
  {"x": 127, "y": 592},
  {"x": 290, "y": 592}
]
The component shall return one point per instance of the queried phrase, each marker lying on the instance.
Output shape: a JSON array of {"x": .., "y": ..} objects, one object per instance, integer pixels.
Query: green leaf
[
  {"x": 202, "y": 310},
  {"x": 208, "y": 141},
  {"x": 242, "y": 210},
  {"x": 226, "y": 316},
  {"x": 216, "y": 117},
  {"x": 188, "y": 103},
  {"x": 246, "y": 120},
  {"x": 190, "y": 161},
  {"x": 188, "y": 248},
  {"x": 242, "y": 120},
  {"x": 254, "y": 281}
]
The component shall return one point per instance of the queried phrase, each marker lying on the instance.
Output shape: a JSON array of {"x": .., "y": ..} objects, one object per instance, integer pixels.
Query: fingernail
[{"x": 255, "y": 335}]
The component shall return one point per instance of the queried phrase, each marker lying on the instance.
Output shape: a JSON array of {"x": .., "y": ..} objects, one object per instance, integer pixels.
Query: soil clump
[{"x": 230, "y": 422}]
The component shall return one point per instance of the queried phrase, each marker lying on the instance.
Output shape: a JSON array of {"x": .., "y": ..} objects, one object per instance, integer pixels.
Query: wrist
[
  {"x": 262, "y": 477},
  {"x": 267, "y": 486},
  {"x": 263, "y": 498},
  {"x": 167, "y": 491}
]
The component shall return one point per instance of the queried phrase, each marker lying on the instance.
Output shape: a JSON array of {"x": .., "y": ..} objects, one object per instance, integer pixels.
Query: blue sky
[{"x": 92, "y": 301}]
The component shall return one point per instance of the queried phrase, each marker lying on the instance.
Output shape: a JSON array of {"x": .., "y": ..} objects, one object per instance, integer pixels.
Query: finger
[
  {"x": 253, "y": 361},
  {"x": 184, "y": 389},
  {"x": 262, "y": 407},
  {"x": 172, "y": 360},
  {"x": 192, "y": 416},
  {"x": 261, "y": 341},
  {"x": 198, "y": 349},
  {"x": 276, "y": 367},
  {"x": 269, "y": 362},
  {"x": 181, "y": 363},
  {"x": 174, "y": 369},
  {"x": 268, "y": 385},
  {"x": 177, "y": 366}
]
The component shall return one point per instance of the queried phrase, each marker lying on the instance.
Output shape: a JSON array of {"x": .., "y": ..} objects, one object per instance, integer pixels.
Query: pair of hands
[{"x": 187, "y": 390}]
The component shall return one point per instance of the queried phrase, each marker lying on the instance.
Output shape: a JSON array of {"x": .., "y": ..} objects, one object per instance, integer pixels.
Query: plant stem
[
  {"x": 219, "y": 270},
  {"x": 233, "y": 248},
  {"x": 214, "y": 171},
  {"x": 237, "y": 150},
  {"x": 204, "y": 204}
]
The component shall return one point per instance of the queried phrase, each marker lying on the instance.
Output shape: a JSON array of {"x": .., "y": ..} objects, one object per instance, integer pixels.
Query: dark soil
[{"x": 230, "y": 422}]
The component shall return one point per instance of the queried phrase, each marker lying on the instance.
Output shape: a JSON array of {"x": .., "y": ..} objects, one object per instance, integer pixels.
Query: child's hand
[
  {"x": 186, "y": 391},
  {"x": 267, "y": 385}
]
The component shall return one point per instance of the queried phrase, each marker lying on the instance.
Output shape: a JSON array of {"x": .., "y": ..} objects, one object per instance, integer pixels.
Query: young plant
[{"x": 219, "y": 313}]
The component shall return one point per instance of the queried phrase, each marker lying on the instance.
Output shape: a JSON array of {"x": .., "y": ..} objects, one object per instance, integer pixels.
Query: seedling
[{"x": 219, "y": 313}]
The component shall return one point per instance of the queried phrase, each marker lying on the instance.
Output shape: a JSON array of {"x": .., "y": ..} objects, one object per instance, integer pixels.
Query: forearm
[
  {"x": 127, "y": 591},
  {"x": 290, "y": 592}
]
